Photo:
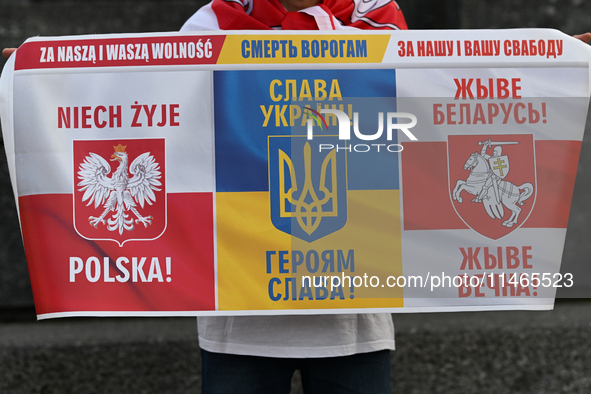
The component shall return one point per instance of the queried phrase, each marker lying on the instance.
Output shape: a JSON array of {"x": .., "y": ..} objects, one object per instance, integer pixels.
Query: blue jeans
[{"x": 364, "y": 373}]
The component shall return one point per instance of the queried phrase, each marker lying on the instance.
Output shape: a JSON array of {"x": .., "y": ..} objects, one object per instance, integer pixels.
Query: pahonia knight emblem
[
  {"x": 119, "y": 203},
  {"x": 500, "y": 196}
]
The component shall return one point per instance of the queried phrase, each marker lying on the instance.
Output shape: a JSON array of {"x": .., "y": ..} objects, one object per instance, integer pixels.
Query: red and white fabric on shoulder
[{"x": 271, "y": 15}]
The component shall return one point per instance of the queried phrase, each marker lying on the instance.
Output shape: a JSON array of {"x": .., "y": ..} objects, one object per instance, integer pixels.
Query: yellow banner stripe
[
  {"x": 298, "y": 49},
  {"x": 249, "y": 245}
]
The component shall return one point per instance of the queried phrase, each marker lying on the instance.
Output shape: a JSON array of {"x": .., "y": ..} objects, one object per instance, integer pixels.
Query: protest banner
[{"x": 254, "y": 173}]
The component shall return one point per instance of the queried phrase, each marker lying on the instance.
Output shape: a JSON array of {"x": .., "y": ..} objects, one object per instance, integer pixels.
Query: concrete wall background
[
  {"x": 26, "y": 18},
  {"x": 442, "y": 353},
  {"x": 569, "y": 16},
  {"x": 495, "y": 352}
]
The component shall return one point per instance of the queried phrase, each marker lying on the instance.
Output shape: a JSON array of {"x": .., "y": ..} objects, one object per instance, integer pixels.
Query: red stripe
[
  {"x": 556, "y": 166},
  {"x": 426, "y": 194},
  {"x": 36, "y": 55},
  {"x": 50, "y": 240},
  {"x": 425, "y": 188}
]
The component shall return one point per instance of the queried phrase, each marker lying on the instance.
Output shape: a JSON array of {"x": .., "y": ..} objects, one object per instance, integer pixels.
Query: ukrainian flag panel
[{"x": 292, "y": 210}]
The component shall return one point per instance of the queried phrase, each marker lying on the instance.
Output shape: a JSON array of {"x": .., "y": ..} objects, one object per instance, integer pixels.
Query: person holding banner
[{"x": 334, "y": 353}]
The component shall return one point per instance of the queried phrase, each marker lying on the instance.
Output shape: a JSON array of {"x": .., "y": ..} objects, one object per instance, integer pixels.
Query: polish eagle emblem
[{"x": 119, "y": 193}]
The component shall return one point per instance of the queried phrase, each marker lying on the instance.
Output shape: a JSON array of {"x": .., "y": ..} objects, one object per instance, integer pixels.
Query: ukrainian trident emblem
[{"x": 308, "y": 186}]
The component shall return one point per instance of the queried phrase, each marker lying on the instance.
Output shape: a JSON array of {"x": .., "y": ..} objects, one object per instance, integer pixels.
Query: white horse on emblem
[{"x": 510, "y": 195}]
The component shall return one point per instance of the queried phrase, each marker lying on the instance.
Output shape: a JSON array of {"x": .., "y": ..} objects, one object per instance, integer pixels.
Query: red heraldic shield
[
  {"x": 492, "y": 181},
  {"x": 120, "y": 189}
]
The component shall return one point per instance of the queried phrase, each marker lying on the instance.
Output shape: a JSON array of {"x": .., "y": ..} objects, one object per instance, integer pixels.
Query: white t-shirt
[
  {"x": 297, "y": 336},
  {"x": 290, "y": 336}
]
